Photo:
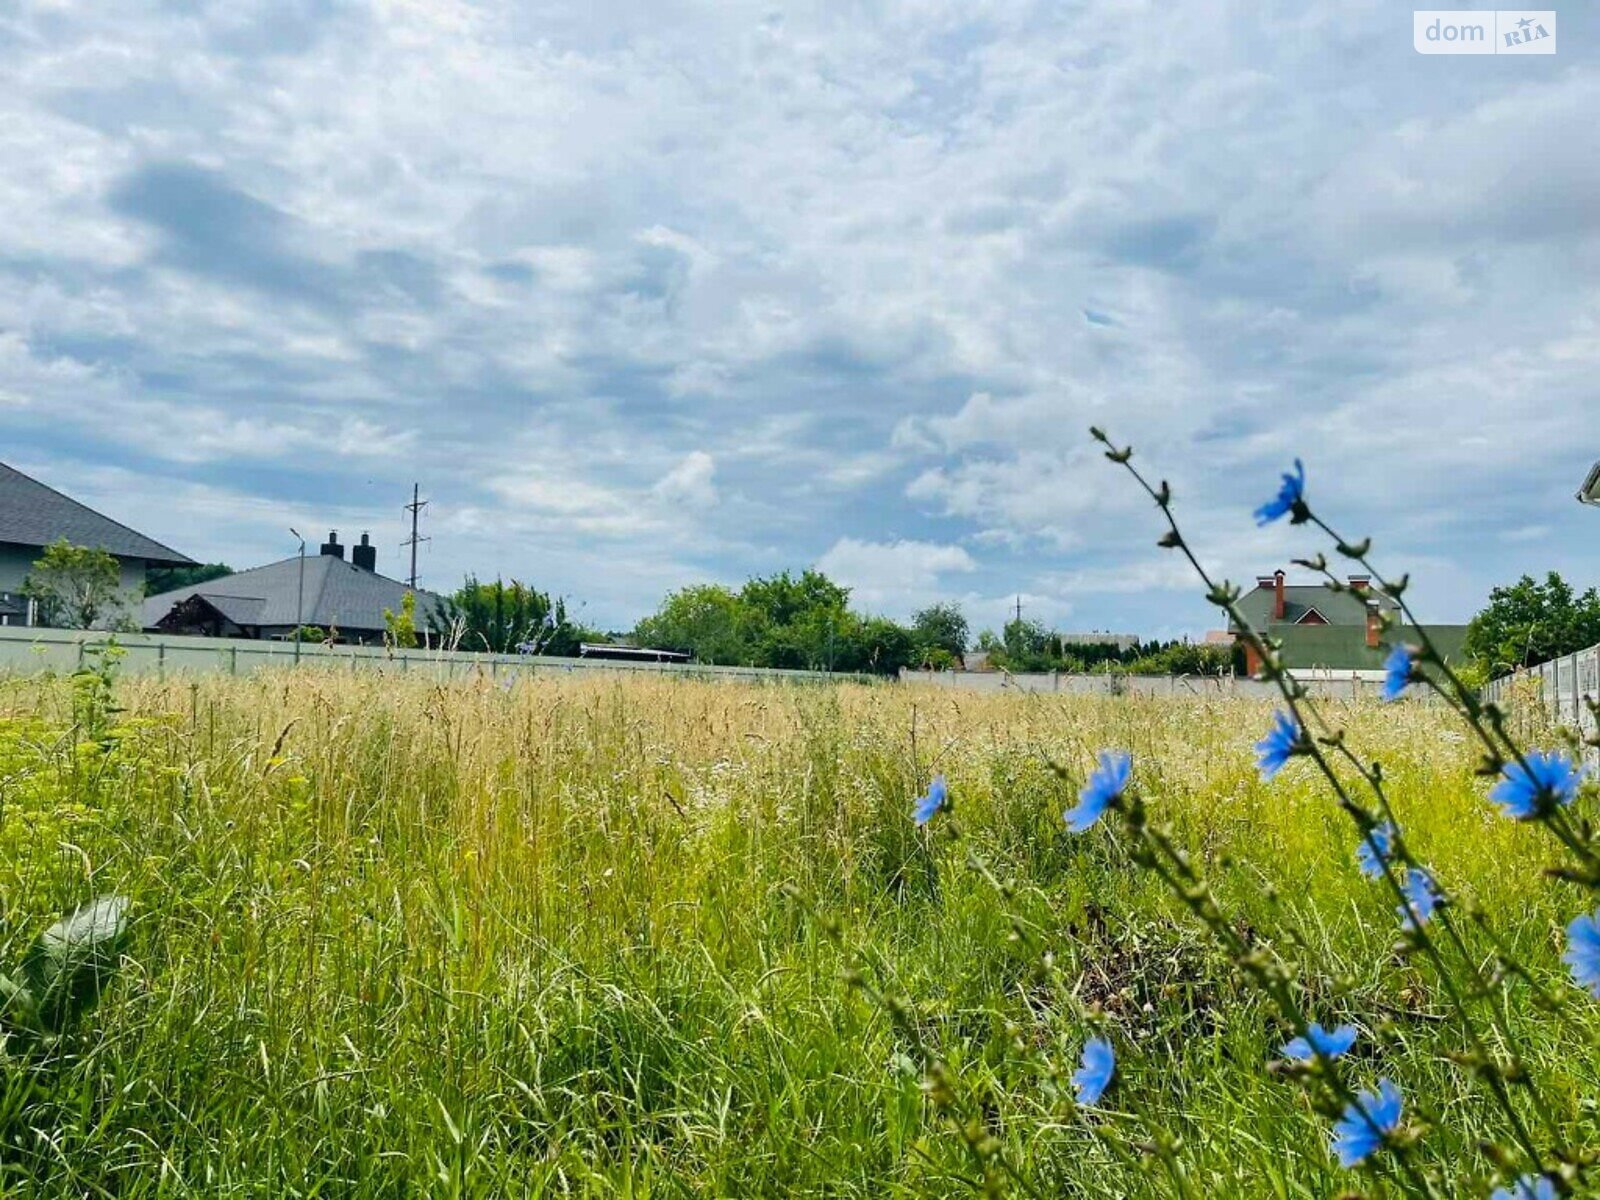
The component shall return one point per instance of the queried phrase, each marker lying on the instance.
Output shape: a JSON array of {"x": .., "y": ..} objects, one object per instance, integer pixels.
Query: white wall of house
[{"x": 16, "y": 562}]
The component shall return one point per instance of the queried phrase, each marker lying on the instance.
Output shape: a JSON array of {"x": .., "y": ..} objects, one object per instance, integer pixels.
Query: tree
[
  {"x": 706, "y": 621},
  {"x": 1180, "y": 658},
  {"x": 1530, "y": 622},
  {"x": 76, "y": 587},
  {"x": 941, "y": 627},
  {"x": 169, "y": 579},
  {"x": 1029, "y": 646},
  {"x": 784, "y": 599},
  {"x": 796, "y": 622},
  {"x": 878, "y": 646},
  {"x": 504, "y": 618},
  {"x": 400, "y": 629},
  {"x": 787, "y": 621}
]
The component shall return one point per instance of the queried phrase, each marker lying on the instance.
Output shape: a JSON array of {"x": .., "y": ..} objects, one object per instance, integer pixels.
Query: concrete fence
[
  {"x": 1562, "y": 683},
  {"x": 30, "y": 651},
  {"x": 1330, "y": 685}
]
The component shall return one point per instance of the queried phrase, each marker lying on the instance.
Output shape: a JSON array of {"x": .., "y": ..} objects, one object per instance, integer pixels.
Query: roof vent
[
  {"x": 331, "y": 547},
  {"x": 365, "y": 555}
]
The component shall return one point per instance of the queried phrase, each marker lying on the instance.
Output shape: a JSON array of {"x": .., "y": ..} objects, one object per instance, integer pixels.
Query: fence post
[
  {"x": 1577, "y": 693},
  {"x": 233, "y": 660}
]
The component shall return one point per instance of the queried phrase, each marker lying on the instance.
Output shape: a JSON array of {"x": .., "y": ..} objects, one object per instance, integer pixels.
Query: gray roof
[
  {"x": 32, "y": 514},
  {"x": 336, "y": 594},
  {"x": 241, "y": 610},
  {"x": 11, "y": 608}
]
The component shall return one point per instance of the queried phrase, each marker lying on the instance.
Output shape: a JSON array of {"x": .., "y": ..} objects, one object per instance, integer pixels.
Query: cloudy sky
[{"x": 646, "y": 294}]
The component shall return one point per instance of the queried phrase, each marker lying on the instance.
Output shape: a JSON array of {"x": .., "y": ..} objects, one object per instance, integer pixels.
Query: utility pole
[
  {"x": 300, "y": 596},
  {"x": 415, "y": 509}
]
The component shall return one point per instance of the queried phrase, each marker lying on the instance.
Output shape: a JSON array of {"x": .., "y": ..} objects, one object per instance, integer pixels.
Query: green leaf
[
  {"x": 67, "y": 968},
  {"x": 17, "y": 1007}
]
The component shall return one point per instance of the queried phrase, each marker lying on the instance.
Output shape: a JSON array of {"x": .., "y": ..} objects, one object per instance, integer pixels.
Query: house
[
  {"x": 1274, "y": 601},
  {"x": 323, "y": 591},
  {"x": 1320, "y": 626},
  {"x": 34, "y": 516}
]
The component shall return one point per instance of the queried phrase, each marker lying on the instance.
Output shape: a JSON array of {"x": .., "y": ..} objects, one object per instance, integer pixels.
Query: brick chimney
[
  {"x": 1252, "y": 661},
  {"x": 331, "y": 548},
  {"x": 1374, "y": 626},
  {"x": 1360, "y": 584},
  {"x": 1277, "y": 595}
]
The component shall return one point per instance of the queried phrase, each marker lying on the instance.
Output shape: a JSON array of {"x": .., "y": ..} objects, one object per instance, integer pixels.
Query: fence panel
[
  {"x": 1565, "y": 685},
  {"x": 31, "y": 651},
  {"x": 1326, "y": 686}
]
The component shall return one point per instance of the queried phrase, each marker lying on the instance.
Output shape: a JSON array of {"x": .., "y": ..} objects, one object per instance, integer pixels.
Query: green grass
[{"x": 397, "y": 939}]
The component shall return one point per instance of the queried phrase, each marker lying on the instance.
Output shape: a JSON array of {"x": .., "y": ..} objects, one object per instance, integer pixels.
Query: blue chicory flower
[
  {"x": 1398, "y": 671},
  {"x": 1376, "y": 846},
  {"x": 1583, "y": 951},
  {"x": 1422, "y": 897},
  {"x": 1289, "y": 495},
  {"x": 1109, "y": 780},
  {"x": 1330, "y": 1043},
  {"x": 1365, "y": 1123},
  {"x": 1282, "y": 741},
  {"x": 1527, "y": 1187},
  {"x": 928, "y": 805},
  {"x": 1094, "y": 1076},
  {"x": 1549, "y": 780}
]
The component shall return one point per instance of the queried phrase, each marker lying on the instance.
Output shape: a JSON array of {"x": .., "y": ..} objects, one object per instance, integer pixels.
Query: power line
[{"x": 415, "y": 509}]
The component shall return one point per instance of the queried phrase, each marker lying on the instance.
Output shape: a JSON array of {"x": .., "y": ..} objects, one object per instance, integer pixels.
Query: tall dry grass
[{"x": 395, "y": 938}]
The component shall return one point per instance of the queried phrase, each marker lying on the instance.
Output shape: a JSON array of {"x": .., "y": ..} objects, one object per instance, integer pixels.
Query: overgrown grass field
[{"x": 395, "y": 939}]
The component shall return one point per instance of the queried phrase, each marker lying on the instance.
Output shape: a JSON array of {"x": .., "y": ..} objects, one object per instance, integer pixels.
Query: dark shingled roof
[
  {"x": 32, "y": 514},
  {"x": 337, "y": 594},
  {"x": 241, "y": 610},
  {"x": 1337, "y": 608}
]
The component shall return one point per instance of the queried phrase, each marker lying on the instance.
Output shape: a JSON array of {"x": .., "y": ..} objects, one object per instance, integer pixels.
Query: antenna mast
[{"x": 415, "y": 509}]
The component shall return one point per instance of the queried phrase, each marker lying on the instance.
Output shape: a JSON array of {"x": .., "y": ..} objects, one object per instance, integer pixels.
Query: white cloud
[
  {"x": 721, "y": 288},
  {"x": 691, "y": 483},
  {"x": 551, "y": 500},
  {"x": 893, "y": 576}
]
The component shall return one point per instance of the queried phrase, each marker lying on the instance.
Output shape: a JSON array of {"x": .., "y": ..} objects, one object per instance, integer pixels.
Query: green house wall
[{"x": 1344, "y": 647}]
